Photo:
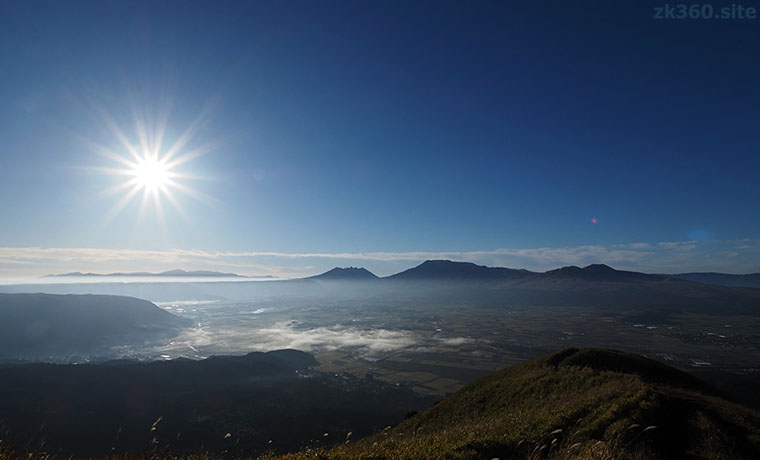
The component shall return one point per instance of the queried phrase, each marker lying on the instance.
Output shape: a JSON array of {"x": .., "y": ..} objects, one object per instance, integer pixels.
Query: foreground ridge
[{"x": 574, "y": 404}]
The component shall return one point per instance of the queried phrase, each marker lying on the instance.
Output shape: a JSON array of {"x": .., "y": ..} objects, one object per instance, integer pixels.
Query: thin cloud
[
  {"x": 205, "y": 341},
  {"x": 739, "y": 256},
  {"x": 284, "y": 335}
]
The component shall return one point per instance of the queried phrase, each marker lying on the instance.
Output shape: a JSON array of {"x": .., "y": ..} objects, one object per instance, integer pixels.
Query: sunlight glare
[
  {"x": 151, "y": 174},
  {"x": 151, "y": 168}
]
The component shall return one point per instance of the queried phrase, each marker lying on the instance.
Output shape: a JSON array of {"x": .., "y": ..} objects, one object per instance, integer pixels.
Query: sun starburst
[{"x": 150, "y": 169}]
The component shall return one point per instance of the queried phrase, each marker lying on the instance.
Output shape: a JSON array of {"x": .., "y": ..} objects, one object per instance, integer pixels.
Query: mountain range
[
  {"x": 444, "y": 281},
  {"x": 447, "y": 270},
  {"x": 595, "y": 285}
]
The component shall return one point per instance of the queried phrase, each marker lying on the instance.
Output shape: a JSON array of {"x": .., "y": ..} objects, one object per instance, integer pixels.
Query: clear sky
[{"x": 378, "y": 133}]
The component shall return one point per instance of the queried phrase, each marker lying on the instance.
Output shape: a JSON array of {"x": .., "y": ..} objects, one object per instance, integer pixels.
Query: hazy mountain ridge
[
  {"x": 446, "y": 270},
  {"x": 601, "y": 272},
  {"x": 35, "y": 325},
  {"x": 593, "y": 285},
  {"x": 750, "y": 280},
  {"x": 345, "y": 273},
  {"x": 445, "y": 281},
  {"x": 451, "y": 270}
]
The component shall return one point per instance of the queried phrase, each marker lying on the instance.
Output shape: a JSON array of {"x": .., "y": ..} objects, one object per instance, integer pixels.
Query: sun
[
  {"x": 151, "y": 166},
  {"x": 151, "y": 174}
]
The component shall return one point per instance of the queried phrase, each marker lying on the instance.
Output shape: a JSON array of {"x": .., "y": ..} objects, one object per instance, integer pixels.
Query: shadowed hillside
[
  {"x": 574, "y": 404},
  {"x": 38, "y": 325},
  {"x": 264, "y": 401}
]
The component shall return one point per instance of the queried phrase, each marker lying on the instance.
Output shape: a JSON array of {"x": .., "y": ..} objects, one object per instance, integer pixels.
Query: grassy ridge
[{"x": 574, "y": 404}]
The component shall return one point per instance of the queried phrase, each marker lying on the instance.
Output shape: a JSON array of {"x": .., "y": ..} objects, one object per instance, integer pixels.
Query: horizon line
[{"x": 730, "y": 256}]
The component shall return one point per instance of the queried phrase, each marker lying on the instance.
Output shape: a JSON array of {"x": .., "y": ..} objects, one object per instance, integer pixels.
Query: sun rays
[{"x": 150, "y": 167}]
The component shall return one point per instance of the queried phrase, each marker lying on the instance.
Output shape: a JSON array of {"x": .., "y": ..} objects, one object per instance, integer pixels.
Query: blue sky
[{"x": 410, "y": 129}]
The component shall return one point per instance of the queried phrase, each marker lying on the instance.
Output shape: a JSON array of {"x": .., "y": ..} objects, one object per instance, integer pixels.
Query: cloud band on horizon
[{"x": 736, "y": 256}]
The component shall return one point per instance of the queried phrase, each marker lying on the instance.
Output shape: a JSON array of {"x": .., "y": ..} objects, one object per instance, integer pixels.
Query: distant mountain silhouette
[
  {"x": 595, "y": 285},
  {"x": 751, "y": 280},
  {"x": 347, "y": 273},
  {"x": 451, "y": 271},
  {"x": 446, "y": 270},
  {"x": 445, "y": 281},
  {"x": 43, "y": 325},
  {"x": 176, "y": 272},
  {"x": 600, "y": 272}
]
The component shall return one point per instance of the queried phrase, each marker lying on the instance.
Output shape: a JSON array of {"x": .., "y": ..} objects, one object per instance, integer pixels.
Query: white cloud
[
  {"x": 684, "y": 245},
  {"x": 284, "y": 335},
  {"x": 204, "y": 341},
  {"x": 456, "y": 341}
]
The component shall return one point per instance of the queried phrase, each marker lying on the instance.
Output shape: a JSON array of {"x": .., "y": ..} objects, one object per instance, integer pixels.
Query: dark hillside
[
  {"x": 263, "y": 400},
  {"x": 575, "y": 404},
  {"x": 38, "y": 325}
]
